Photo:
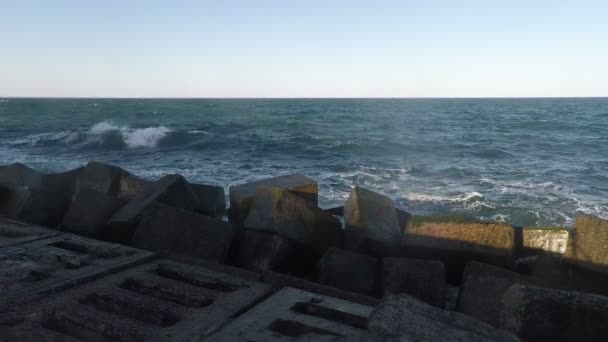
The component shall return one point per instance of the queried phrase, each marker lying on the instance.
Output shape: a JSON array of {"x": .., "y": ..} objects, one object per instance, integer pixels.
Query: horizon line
[{"x": 297, "y": 97}]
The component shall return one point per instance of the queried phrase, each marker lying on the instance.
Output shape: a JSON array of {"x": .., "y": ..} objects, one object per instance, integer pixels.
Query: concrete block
[
  {"x": 588, "y": 245},
  {"x": 156, "y": 301},
  {"x": 170, "y": 230},
  {"x": 423, "y": 279},
  {"x": 171, "y": 190},
  {"x": 348, "y": 270},
  {"x": 212, "y": 199},
  {"x": 400, "y": 315},
  {"x": 33, "y": 269},
  {"x": 14, "y": 233},
  {"x": 89, "y": 211},
  {"x": 540, "y": 314},
  {"x": 290, "y": 314},
  {"x": 281, "y": 212},
  {"x": 241, "y": 195}
]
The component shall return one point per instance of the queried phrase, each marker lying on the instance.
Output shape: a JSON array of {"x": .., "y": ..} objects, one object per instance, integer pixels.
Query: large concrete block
[
  {"x": 400, "y": 315},
  {"x": 257, "y": 250},
  {"x": 36, "y": 206},
  {"x": 291, "y": 314},
  {"x": 100, "y": 177},
  {"x": 211, "y": 198},
  {"x": 588, "y": 245},
  {"x": 423, "y": 279},
  {"x": 540, "y": 314},
  {"x": 241, "y": 196},
  {"x": 278, "y": 211},
  {"x": 131, "y": 185},
  {"x": 158, "y": 301},
  {"x": 89, "y": 211},
  {"x": 14, "y": 233},
  {"x": 39, "y": 267},
  {"x": 170, "y": 230},
  {"x": 557, "y": 272},
  {"x": 544, "y": 240},
  {"x": 482, "y": 289},
  {"x": 457, "y": 242},
  {"x": 171, "y": 190},
  {"x": 20, "y": 175},
  {"x": 372, "y": 223},
  {"x": 348, "y": 270}
]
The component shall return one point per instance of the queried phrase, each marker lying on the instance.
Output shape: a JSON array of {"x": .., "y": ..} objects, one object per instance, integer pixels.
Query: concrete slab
[
  {"x": 13, "y": 232},
  {"x": 157, "y": 301},
  {"x": 291, "y": 314},
  {"x": 40, "y": 267}
]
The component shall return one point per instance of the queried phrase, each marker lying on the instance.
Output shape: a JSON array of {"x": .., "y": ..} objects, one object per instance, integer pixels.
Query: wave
[{"x": 148, "y": 137}]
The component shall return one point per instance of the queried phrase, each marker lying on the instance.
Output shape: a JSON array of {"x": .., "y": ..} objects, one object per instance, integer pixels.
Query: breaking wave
[{"x": 133, "y": 138}]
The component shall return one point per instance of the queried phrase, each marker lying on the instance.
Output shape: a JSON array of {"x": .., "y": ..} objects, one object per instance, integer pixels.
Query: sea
[{"x": 535, "y": 161}]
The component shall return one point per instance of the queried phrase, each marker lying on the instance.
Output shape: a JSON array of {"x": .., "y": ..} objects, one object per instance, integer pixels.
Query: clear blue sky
[{"x": 291, "y": 48}]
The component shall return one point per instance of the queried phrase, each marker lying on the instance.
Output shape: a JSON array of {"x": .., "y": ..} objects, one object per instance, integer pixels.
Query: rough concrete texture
[
  {"x": 348, "y": 270},
  {"x": 89, "y": 211},
  {"x": 100, "y": 177},
  {"x": 457, "y": 242},
  {"x": 400, "y": 315},
  {"x": 290, "y": 314},
  {"x": 544, "y": 239},
  {"x": 36, "y": 206},
  {"x": 241, "y": 196},
  {"x": 170, "y": 230},
  {"x": 13, "y": 232},
  {"x": 482, "y": 289},
  {"x": 131, "y": 185},
  {"x": 158, "y": 301},
  {"x": 423, "y": 279},
  {"x": 540, "y": 314},
  {"x": 39, "y": 267},
  {"x": 212, "y": 199},
  {"x": 279, "y": 211},
  {"x": 370, "y": 217},
  {"x": 172, "y": 190},
  {"x": 257, "y": 250},
  {"x": 588, "y": 245},
  {"x": 556, "y": 272},
  {"x": 20, "y": 175}
]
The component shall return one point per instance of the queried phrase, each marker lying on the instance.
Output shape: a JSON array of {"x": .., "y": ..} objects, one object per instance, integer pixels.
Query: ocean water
[{"x": 525, "y": 161}]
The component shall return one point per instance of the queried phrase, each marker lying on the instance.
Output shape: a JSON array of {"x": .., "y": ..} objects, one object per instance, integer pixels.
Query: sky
[{"x": 293, "y": 48}]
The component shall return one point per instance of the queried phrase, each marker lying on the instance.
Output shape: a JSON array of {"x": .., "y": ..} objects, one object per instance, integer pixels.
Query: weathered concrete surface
[
  {"x": 20, "y": 175},
  {"x": 241, "y": 196},
  {"x": 423, "y": 279},
  {"x": 556, "y": 272},
  {"x": 290, "y": 314},
  {"x": 172, "y": 190},
  {"x": 482, "y": 289},
  {"x": 544, "y": 239},
  {"x": 588, "y": 245},
  {"x": 539, "y": 314},
  {"x": 158, "y": 301},
  {"x": 14, "y": 233},
  {"x": 100, "y": 177},
  {"x": 170, "y": 230},
  {"x": 348, "y": 270},
  {"x": 372, "y": 223},
  {"x": 131, "y": 185},
  {"x": 281, "y": 212},
  {"x": 257, "y": 250},
  {"x": 400, "y": 315},
  {"x": 39, "y": 267},
  {"x": 212, "y": 199},
  {"x": 89, "y": 211},
  {"x": 457, "y": 242}
]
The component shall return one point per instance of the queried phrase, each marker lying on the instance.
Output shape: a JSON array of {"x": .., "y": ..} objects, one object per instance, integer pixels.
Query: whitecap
[{"x": 145, "y": 137}]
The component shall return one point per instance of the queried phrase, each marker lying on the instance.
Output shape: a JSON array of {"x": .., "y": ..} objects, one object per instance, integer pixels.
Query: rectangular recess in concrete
[
  {"x": 157, "y": 301},
  {"x": 43, "y": 266},
  {"x": 13, "y": 232},
  {"x": 291, "y": 313}
]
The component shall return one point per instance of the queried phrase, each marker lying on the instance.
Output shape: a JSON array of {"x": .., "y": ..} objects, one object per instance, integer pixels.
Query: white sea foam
[{"x": 133, "y": 138}]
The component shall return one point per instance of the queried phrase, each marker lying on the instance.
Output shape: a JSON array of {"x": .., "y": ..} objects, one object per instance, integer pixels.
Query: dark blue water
[{"x": 528, "y": 161}]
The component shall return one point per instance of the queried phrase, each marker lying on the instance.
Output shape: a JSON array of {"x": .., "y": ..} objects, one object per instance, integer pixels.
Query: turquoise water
[{"x": 528, "y": 161}]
